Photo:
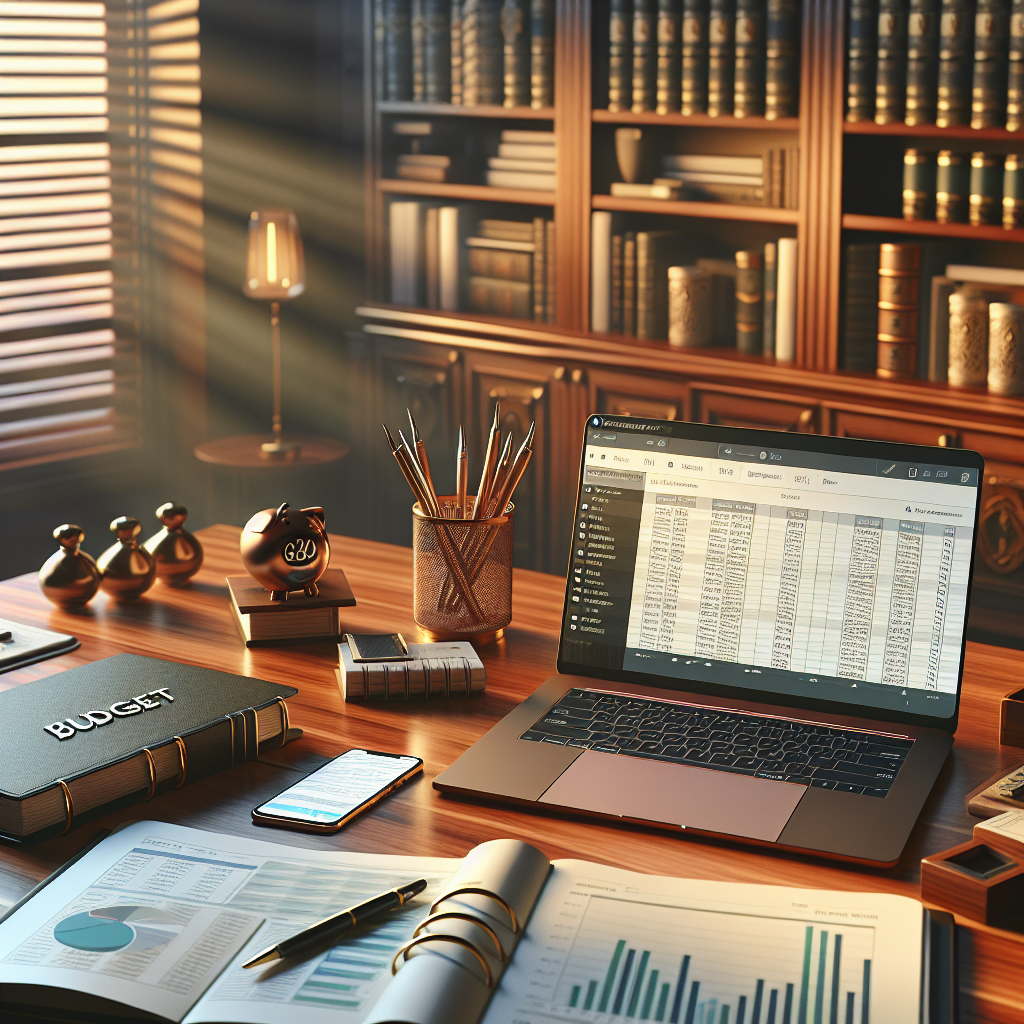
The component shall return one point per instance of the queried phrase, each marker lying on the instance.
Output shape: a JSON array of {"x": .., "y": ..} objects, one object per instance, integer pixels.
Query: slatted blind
[{"x": 100, "y": 164}]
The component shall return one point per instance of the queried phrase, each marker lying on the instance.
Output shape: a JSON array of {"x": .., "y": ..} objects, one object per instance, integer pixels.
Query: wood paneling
[
  {"x": 629, "y": 395},
  {"x": 736, "y": 408},
  {"x": 194, "y": 625}
]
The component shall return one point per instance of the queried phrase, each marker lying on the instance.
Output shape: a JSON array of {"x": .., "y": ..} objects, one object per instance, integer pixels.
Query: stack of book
[
  {"x": 942, "y": 62},
  {"x": 736, "y": 58},
  {"x": 467, "y": 52},
  {"x": 750, "y": 299},
  {"x": 525, "y": 159},
  {"x": 977, "y": 188},
  {"x": 425, "y": 160},
  {"x": 768, "y": 180},
  {"x": 444, "y": 257}
]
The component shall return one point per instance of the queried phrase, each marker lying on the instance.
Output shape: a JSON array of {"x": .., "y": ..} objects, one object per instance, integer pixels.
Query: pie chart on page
[{"x": 108, "y": 929}]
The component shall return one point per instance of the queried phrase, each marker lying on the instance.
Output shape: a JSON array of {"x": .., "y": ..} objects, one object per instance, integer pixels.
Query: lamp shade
[{"x": 276, "y": 268}]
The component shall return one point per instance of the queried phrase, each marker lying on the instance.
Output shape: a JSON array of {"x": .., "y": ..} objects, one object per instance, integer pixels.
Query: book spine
[
  {"x": 418, "y": 24},
  {"x": 617, "y": 284},
  {"x": 432, "y": 250},
  {"x": 891, "y": 76},
  {"x": 539, "y": 268},
  {"x": 898, "y": 268},
  {"x": 600, "y": 271},
  {"x": 749, "y": 302},
  {"x": 749, "y": 72},
  {"x": 542, "y": 54},
  {"x": 1013, "y": 191},
  {"x": 689, "y": 307},
  {"x": 500, "y": 298},
  {"x": 456, "y": 52},
  {"x": 782, "y": 60},
  {"x": 1015, "y": 72},
  {"x": 449, "y": 245},
  {"x": 860, "y": 308},
  {"x": 551, "y": 271},
  {"x": 721, "y": 57},
  {"x": 644, "y": 60},
  {"x": 667, "y": 85},
  {"x": 952, "y": 183},
  {"x": 985, "y": 188},
  {"x": 500, "y": 264},
  {"x": 1005, "y": 351},
  {"x": 922, "y": 61},
  {"x": 620, "y": 56},
  {"x": 938, "y": 336},
  {"x": 693, "y": 97},
  {"x": 397, "y": 50},
  {"x": 956, "y": 43},
  {"x": 514, "y": 31},
  {"x": 629, "y": 284},
  {"x": 861, "y": 59},
  {"x": 644, "y": 286},
  {"x": 918, "y": 185},
  {"x": 771, "y": 273},
  {"x": 785, "y": 299},
  {"x": 481, "y": 53},
  {"x": 437, "y": 35},
  {"x": 968, "y": 339},
  {"x": 379, "y": 50},
  {"x": 991, "y": 51}
]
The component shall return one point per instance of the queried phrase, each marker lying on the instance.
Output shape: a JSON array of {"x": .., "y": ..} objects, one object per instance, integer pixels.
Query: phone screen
[{"x": 333, "y": 792}]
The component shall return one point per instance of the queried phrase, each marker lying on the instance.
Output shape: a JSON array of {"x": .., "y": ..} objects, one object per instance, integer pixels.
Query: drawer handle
[{"x": 947, "y": 441}]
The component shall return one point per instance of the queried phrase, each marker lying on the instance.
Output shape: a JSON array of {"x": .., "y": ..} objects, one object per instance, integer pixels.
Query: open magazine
[{"x": 156, "y": 920}]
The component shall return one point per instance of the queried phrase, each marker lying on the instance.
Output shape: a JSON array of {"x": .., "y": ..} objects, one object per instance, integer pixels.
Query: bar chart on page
[{"x": 644, "y": 961}]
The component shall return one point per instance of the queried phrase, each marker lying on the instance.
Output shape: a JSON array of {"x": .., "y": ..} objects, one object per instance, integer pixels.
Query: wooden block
[
  {"x": 976, "y": 881},
  {"x": 986, "y": 801},
  {"x": 1011, "y": 719}
]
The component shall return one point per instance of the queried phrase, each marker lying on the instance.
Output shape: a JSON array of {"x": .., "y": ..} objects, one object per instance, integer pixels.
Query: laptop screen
[{"x": 813, "y": 569}]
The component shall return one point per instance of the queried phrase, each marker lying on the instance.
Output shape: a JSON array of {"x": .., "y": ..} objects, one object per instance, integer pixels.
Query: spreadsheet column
[
  {"x": 860, "y": 598},
  {"x": 789, "y": 584},
  {"x": 903, "y": 604},
  {"x": 741, "y": 524}
]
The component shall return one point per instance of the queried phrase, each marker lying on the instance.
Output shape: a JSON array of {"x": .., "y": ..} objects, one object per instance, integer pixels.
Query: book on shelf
[
  {"x": 749, "y": 73},
  {"x": 861, "y": 59},
  {"x": 723, "y": 300},
  {"x": 601, "y": 285},
  {"x": 550, "y": 272},
  {"x": 397, "y": 49},
  {"x": 767, "y": 180},
  {"x": 956, "y": 51},
  {"x": 667, "y": 82},
  {"x": 922, "y": 61},
  {"x": 616, "y": 284},
  {"x": 432, "y": 256},
  {"x": 522, "y": 938},
  {"x": 521, "y": 179},
  {"x": 918, "y": 184},
  {"x": 501, "y": 297},
  {"x": 515, "y": 31},
  {"x": 1002, "y": 276},
  {"x": 785, "y": 300},
  {"x": 645, "y": 60},
  {"x": 1015, "y": 69},
  {"x": 620, "y": 56},
  {"x": 991, "y": 53},
  {"x": 423, "y": 167},
  {"x": 782, "y": 64},
  {"x": 771, "y": 275},
  {"x": 131, "y": 727},
  {"x": 656, "y": 251},
  {"x": 539, "y": 268},
  {"x": 938, "y": 335},
  {"x": 482, "y": 53},
  {"x": 417, "y": 26},
  {"x": 899, "y": 267},
  {"x": 891, "y": 72},
  {"x": 860, "y": 307},
  {"x": 749, "y": 302},
  {"x": 693, "y": 88},
  {"x": 406, "y": 238},
  {"x": 455, "y": 49},
  {"x": 526, "y": 159},
  {"x": 721, "y": 56},
  {"x": 542, "y": 53},
  {"x": 629, "y": 283},
  {"x": 660, "y": 188}
]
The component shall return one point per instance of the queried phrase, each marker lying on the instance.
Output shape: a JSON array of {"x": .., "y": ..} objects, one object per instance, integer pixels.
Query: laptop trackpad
[{"x": 634, "y": 787}]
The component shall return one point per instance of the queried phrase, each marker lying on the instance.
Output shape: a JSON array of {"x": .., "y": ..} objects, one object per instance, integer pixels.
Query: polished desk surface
[{"x": 194, "y": 624}]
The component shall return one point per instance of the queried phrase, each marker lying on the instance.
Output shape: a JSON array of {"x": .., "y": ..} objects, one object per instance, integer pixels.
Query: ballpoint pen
[
  {"x": 490, "y": 460},
  {"x": 500, "y": 471},
  {"x": 420, "y": 450},
  {"x": 335, "y": 926},
  {"x": 461, "y": 473},
  {"x": 432, "y": 508}
]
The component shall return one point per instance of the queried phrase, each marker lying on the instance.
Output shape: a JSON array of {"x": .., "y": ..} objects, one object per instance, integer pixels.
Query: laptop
[{"x": 762, "y": 638}]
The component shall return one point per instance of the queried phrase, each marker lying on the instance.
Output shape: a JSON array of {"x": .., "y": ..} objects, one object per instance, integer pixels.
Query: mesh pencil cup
[{"x": 461, "y": 574}]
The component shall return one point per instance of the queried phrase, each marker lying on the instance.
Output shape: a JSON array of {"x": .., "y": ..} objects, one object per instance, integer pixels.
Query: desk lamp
[{"x": 275, "y": 270}]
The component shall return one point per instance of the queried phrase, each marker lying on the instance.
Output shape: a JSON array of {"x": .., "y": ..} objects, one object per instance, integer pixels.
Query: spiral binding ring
[
  {"x": 152, "y": 772},
  {"x": 285, "y": 721},
  {"x": 69, "y": 805},
  {"x": 184, "y": 760},
  {"x": 403, "y": 951},
  {"x": 453, "y": 914},
  {"x": 472, "y": 890}
]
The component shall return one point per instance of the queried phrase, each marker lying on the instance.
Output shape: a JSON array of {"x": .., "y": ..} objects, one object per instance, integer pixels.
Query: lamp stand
[{"x": 277, "y": 449}]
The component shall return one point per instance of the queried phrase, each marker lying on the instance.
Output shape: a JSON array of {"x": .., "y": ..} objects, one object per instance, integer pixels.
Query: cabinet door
[
  {"x": 904, "y": 430},
  {"x": 527, "y": 391},
  {"x": 619, "y": 394},
  {"x": 423, "y": 379},
  {"x": 734, "y": 407}
]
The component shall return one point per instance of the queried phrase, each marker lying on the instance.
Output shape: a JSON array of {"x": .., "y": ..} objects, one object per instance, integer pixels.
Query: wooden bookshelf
[
  {"x": 931, "y": 131},
  {"x": 781, "y": 124},
  {"x": 710, "y": 211},
  {"x": 471, "y": 193},
  {"x": 931, "y": 228},
  {"x": 488, "y": 112}
]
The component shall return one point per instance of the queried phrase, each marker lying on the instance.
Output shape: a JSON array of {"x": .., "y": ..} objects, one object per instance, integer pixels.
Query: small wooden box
[
  {"x": 1011, "y": 719},
  {"x": 976, "y": 881}
]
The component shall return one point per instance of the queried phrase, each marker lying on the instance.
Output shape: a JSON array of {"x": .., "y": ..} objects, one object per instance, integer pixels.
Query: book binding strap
[
  {"x": 285, "y": 723},
  {"x": 403, "y": 951},
  {"x": 151, "y": 762},
  {"x": 473, "y": 890},
  {"x": 472, "y": 919},
  {"x": 69, "y": 805},
  {"x": 184, "y": 761}
]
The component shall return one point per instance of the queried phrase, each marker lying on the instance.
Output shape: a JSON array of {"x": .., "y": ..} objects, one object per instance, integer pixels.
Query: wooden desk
[{"x": 195, "y": 625}]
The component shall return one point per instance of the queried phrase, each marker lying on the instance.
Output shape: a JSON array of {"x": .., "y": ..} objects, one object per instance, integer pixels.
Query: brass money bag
[
  {"x": 70, "y": 577},
  {"x": 128, "y": 570},
  {"x": 178, "y": 554},
  {"x": 286, "y": 549}
]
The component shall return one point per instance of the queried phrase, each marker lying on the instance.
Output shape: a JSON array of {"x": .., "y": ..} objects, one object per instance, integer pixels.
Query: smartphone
[{"x": 332, "y": 796}]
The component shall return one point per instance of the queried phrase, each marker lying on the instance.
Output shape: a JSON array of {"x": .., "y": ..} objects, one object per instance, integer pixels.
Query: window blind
[{"x": 100, "y": 163}]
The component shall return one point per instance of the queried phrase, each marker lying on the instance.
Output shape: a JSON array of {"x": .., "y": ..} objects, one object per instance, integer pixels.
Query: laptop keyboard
[{"x": 729, "y": 741}]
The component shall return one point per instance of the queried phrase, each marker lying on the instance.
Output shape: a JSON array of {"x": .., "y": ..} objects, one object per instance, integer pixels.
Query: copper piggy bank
[{"x": 286, "y": 549}]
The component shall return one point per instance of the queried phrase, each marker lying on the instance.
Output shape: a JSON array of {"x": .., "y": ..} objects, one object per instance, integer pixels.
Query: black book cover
[
  {"x": 922, "y": 61},
  {"x": 694, "y": 35},
  {"x": 1015, "y": 96},
  {"x": 417, "y": 22},
  {"x": 397, "y": 50},
  {"x": 482, "y": 53},
  {"x": 861, "y": 59},
  {"x": 620, "y": 56},
  {"x": 437, "y": 52},
  {"x": 721, "y": 56},
  {"x": 991, "y": 51},
  {"x": 645, "y": 29},
  {"x": 860, "y": 308},
  {"x": 542, "y": 53},
  {"x": 891, "y": 76},
  {"x": 515, "y": 31},
  {"x": 782, "y": 52},
  {"x": 668, "y": 74},
  {"x": 749, "y": 76},
  {"x": 956, "y": 51}
]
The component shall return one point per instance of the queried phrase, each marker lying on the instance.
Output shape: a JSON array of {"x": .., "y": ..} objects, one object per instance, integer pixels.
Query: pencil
[
  {"x": 461, "y": 473},
  {"x": 420, "y": 451},
  {"x": 490, "y": 460},
  {"x": 500, "y": 471}
]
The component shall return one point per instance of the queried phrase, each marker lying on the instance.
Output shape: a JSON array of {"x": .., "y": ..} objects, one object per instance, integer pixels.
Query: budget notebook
[
  {"x": 155, "y": 922},
  {"x": 763, "y": 638}
]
